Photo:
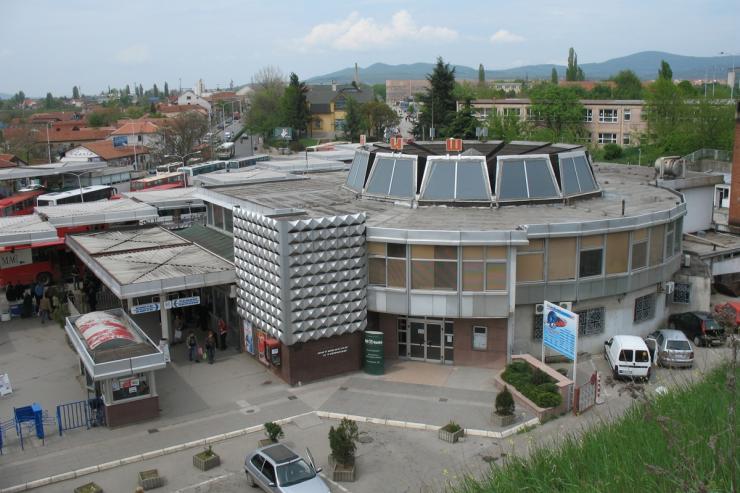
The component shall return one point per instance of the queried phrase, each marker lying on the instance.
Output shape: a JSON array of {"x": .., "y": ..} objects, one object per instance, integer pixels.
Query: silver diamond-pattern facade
[
  {"x": 327, "y": 276},
  {"x": 303, "y": 279},
  {"x": 258, "y": 270}
]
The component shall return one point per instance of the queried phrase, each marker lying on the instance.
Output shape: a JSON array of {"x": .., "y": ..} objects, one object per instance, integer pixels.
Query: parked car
[
  {"x": 699, "y": 327},
  {"x": 670, "y": 348},
  {"x": 627, "y": 356},
  {"x": 227, "y": 135},
  {"x": 276, "y": 468}
]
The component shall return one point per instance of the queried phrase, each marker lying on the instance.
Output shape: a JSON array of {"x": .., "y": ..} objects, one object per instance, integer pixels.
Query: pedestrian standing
[
  {"x": 193, "y": 347},
  {"x": 45, "y": 308},
  {"x": 75, "y": 276},
  {"x": 27, "y": 310},
  {"x": 38, "y": 292},
  {"x": 211, "y": 347},
  {"x": 223, "y": 331}
]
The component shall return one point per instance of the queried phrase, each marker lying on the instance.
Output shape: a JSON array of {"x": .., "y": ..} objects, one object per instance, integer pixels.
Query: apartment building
[{"x": 616, "y": 121}]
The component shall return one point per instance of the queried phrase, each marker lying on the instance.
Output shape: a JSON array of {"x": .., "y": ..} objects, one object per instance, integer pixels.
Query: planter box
[
  {"x": 89, "y": 488},
  {"x": 503, "y": 421},
  {"x": 450, "y": 436},
  {"x": 340, "y": 472},
  {"x": 150, "y": 479},
  {"x": 204, "y": 462},
  {"x": 265, "y": 442}
]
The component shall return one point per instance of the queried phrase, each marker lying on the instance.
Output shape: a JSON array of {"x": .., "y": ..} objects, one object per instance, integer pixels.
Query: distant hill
[
  {"x": 5, "y": 96},
  {"x": 645, "y": 64}
]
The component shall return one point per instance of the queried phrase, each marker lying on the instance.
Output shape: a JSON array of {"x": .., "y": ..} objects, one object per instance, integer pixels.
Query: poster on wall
[
  {"x": 248, "y": 337},
  {"x": 261, "y": 345},
  {"x": 560, "y": 330}
]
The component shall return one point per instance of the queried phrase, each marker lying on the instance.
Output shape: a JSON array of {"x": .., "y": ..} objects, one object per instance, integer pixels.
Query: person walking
[
  {"x": 192, "y": 343},
  {"x": 38, "y": 293},
  {"x": 45, "y": 308},
  {"x": 27, "y": 310},
  {"x": 223, "y": 331},
  {"x": 211, "y": 347}
]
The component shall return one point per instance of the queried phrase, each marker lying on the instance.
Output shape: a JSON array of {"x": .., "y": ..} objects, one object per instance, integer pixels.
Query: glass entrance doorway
[{"x": 425, "y": 340}]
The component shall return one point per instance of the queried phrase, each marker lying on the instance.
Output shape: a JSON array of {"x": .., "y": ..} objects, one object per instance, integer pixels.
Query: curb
[{"x": 57, "y": 478}]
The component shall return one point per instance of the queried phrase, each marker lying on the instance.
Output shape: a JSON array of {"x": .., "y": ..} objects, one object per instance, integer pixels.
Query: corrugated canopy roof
[
  {"x": 24, "y": 230},
  {"x": 100, "y": 212}
]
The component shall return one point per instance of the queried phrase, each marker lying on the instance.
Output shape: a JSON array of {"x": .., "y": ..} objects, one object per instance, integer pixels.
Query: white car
[
  {"x": 228, "y": 135},
  {"x": 628, "y": 356}
]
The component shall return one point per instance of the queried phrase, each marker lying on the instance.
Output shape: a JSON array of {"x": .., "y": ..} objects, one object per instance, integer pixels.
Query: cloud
[
  {"x": 504, "y": 36},
  {"x": 356, "y": 33},
  {"x": 134, "y": 54}
]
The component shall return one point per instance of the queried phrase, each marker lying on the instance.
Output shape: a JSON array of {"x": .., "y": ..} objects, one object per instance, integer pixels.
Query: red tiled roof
[
  {"x": 180, "y": 108},
  {"x": 137, "y": 127},
  {"x": 105, "y": 149},
  {"x": 7, "y": 164},
  {"x": 61, "y": 134},
  {"x": 54, "y": 116}
]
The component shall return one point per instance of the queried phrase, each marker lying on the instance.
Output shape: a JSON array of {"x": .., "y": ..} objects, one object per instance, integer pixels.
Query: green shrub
[
  {"x": 273, "y": 431},
  {"x": 547, "y": 387},
  {"x": 343, "y": 442},
  {"x": 548, "y": 399},
  {"x": 519, "y": 366},
  {"x": 533, "y": 383},
  {"x": 612, "y": 151},
  {"x": 540, "y": 377},
  {"x": 505, "y": 403},
  {"x": 452, "y": 427}
]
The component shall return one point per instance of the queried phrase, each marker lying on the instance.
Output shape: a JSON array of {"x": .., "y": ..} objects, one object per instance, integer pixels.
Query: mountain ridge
[{"x": 645, "y": 64}]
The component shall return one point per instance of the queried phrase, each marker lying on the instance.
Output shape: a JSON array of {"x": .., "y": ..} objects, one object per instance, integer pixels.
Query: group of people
[
  {"x": 196, "y": 352},
  {"x": 36, "y": 299}
]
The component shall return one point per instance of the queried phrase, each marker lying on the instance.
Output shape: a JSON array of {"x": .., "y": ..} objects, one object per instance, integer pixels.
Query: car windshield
[
  {"x": 642, "y": 356},
  {"x": 710, "y": 324},
  {"x": 294, "y": 472},
  {"x": 678, "y": 345}
]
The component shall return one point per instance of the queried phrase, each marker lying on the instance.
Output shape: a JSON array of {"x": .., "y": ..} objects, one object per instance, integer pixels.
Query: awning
[
  {"x": 50, "y": 169},
  {"x": 100, "y": 212},
  {"x": 149, "y": 261},
  {"x": 25, "y": 230}
]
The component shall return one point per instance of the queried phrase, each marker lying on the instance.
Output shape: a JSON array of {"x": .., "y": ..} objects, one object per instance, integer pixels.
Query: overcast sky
[{"x": 51, "y": 45}]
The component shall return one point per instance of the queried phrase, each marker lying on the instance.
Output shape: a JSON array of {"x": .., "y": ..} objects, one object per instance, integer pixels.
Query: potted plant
[
  {"x": 343, "y": 444},
  {"x": 150, "y": 479},
  {"x": 273, "y": 431},
  {"x": 208, "y": 459},
  {"x": 451, "y": 432},
  {"x": 89, "y": 488},
  {"x": 504, "y": 414}
]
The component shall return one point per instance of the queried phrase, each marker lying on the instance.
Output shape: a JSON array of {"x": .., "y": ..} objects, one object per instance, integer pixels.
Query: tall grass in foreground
[{"x": 677, "y": 442}]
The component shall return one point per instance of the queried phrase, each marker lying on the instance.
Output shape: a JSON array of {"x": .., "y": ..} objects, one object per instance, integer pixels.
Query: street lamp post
[
  {"x": 48, "y": 143},
  {"x": 734, "y": 81}
]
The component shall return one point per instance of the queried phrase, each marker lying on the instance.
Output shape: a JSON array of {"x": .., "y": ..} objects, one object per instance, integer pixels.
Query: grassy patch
[
  {"x": 676, "y": 442},
  {"x": 525, "y": 429},
  {"x": 308, "y": 142}
]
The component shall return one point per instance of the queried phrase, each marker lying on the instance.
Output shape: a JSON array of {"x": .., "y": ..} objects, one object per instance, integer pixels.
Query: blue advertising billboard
[
  {"x": 560, "y": 330},
  {"x": 120, "y": 140}
]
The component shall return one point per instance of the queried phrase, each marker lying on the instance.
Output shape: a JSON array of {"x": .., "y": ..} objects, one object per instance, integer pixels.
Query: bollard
[{"x": 599, "y": 398}]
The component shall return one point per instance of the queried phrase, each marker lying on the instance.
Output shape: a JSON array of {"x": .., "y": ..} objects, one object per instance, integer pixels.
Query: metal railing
[{"x": 713, "y": 154}]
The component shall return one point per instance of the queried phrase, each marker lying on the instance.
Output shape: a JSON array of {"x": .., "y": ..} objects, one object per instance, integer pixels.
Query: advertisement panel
[
  {"x": 248, "y": 337},
  {"x": 16, "y": 258},
  {"x": 560, "y": 330},
  {"x": 374, "y": 358},
  {"x": 120, "y": 140}
]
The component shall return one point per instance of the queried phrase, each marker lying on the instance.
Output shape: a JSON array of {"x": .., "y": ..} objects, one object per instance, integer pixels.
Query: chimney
[
  {"x": 734, "y": 217},
  {"x": 357, "y": 75},
  {"x": 334, "y": 86}
]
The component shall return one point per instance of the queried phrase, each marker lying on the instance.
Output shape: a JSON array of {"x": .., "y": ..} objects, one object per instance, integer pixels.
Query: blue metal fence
[{"x": 77, "y": 414}]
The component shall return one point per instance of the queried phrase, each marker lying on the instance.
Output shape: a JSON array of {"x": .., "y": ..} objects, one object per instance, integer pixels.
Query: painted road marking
[{"x": 208, "y": 482}]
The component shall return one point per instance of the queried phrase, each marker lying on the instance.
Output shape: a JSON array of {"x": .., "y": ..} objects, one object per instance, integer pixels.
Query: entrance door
[
  {"x": 417, "y": 340},
  {"x": 434, "y": 342},
  {"x": 426, "y": 340}
]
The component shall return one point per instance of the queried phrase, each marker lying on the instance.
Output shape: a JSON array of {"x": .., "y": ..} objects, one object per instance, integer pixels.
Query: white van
[{"x": 628, "y": 356}]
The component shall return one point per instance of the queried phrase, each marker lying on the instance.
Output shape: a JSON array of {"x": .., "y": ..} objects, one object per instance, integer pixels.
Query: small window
[
  {"x": 642, "y": 356},
  {"x": 588, "y": 115},
  {"x": 626, "y": 139},
  {"x": 627, "y": 114},
  {"x": 607, "y": 138},
  {"x": 608, "y": 116},
  {"x": 269, "y": 471},
  {"x": 625, "y": 355},
  {"x": 682, "y": 293},
  {"x": 480, "y": 338},
  {"x": 644, "y": 308},
  {"x": 258, "y": 461}
]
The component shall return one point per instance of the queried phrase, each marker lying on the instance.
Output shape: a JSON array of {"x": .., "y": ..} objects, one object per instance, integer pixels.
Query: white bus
[
  {"x": 200, "y": 169},
  {"x": 245, "y": 162},
  {"x": 89, "y": 194},
  {"x": 225, "y": 150}
]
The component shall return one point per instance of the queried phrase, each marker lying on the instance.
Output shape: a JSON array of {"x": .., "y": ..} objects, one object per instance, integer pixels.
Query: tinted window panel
[
  {"x": 513, "y": 182},
  {"x": 585, "y": 178},
  {"x": 568, "y": 178},
  {"x": 471, "y": 184},
  {"x": 403, "y": 179},
  {"x": 539, "y": 179},
  {"x": 381, "y": 178},
  {"x": 441, "y": 181}
]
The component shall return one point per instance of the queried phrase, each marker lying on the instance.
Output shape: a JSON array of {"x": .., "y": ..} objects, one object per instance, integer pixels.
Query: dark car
[{"x": 699, "y": 327}]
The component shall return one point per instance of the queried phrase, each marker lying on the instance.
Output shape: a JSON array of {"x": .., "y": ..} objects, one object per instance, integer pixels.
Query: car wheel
[
  {"x": 615, "y": 373},
  {"x": 697, "y": 341},
  {"x": 250, "y": 480},
  {"x": 44, "y": 278}
]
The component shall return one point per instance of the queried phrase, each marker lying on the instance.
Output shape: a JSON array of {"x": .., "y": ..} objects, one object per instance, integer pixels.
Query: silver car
[
  {"x": 276, "y": 468},
  {"x": 670, "y": 348}
]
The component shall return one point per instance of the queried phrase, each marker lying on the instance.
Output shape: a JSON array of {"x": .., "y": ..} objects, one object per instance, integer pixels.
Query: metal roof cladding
[
  {"x": 24, "y": 230},
  {"x": 148, "y": 261},
  {"x": 50, "y": 169},
  {"x": 99, "y": 212}
]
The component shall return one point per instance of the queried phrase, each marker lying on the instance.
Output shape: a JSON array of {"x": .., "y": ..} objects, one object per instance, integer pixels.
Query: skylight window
[
  {"x": 575, "y": 174},
  {"x": 358, "y": 171},
  {"x": 521, "y": 178},
  {"x": 456, "y": 180},
  {"x": 393, "y": 177}
]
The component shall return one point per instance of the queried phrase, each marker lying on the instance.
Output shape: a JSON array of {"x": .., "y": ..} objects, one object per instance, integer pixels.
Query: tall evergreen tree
[
  {"x": 464, "y": 123},
  {"x": 126, "y": 90},
  {"x": 294, "y": 105},
  {"x": 166, "y": 90},
  {"x": 352, "y": 119},
  {"x": 49, "y": 102},
  {"x": 665, "y": 72},
  {"x": 75, "y": 93},
  {"x": 573, "y": 72},
  {"x": 481, "y": 75},
  {"x": 155, "y": 91},
  {"x": 141, "y": 90},
  {"x": 439, "y": 103},
  {"x": 554, "y": 76}
]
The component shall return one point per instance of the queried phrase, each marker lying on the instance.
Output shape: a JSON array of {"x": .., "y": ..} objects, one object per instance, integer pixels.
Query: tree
[
  {"x": 343, "y": 442},
  {"x": 127, "y": 90},
  {"x": 506, "y": 127},
  {"x": 49, "y": 101},
  {"x": 75, "y": 92},
  {"x": 379, "y": 91},
  {"x": 628, "y": 85},
  {"x": 379, "y": 116},
  {"x": 481, "y": 75},
  {"x": 24, "y": 143},
  {"x": 665, "y": 72},
  {"x": 141, "y": 90},
  {"x": 180, "y": 135},
  {"x": 166, "y": 90},
  {"x": 464, "y": 123},
  {"x": 573, "y": 72},
  {"x": 554, "y": 76},
  {"x": 601, "y": 91},
  {"x": 687, "y": 89},
  {"x": 294, "y": 106},
  {"x": 438, "y": 101},
  {"x": 264, "y": 114},
  {"x": 155, "y": 91},
  {"x": 559, "y": 110},
  {"x": 352, "y": 119},
  {"x": 18, "y": 98}
]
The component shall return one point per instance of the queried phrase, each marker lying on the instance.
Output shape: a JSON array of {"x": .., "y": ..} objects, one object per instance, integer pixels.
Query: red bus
[
  {"x": 20, "y": 204},
  {"x": 162, "y": 181},
  {"x": 27, "y": 264}
]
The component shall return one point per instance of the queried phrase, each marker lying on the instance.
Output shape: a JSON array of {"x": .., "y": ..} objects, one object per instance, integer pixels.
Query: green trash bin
[{"x": 374, "y": 361}]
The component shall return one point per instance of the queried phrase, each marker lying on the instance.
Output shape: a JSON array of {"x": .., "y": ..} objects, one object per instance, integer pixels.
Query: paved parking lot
[{"x": 200, "y": 401}]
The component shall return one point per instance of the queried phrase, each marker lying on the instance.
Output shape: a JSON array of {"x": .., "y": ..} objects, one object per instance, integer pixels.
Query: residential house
[
  {"x": 328, "y": 103},
  {"x": 615, "y": 121},
  {"x": 173, "y": 110},
  {"x": 59, "y": 137},
  {"x": 105, "y": 151},
  {"x": 189, "y": 97},
  {"x": 141, "y": 132}
]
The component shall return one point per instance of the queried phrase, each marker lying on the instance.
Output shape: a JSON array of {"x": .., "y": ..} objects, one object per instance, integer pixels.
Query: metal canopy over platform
[
  {"x": 50, "y": 169},
  {"x": 100, "y": 212},
  {"x": 149, "y": 261},
  {"x": 175, "y": 198},
  {"x": 24, "y": 230}
]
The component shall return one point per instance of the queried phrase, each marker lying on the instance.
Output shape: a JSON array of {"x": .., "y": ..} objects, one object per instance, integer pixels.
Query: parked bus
[
  {"x": 27, "y": 264},
  {"x": 245, "y": 162},
  {"x": 163, "y": 181},
  {"x": 89, "y": 194},
  {"x": 200, "y": 169},
  {"x": 169, "y": 167},
  {"x": 225, "y": 150},
  {"x": 19, "y": 204}
]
